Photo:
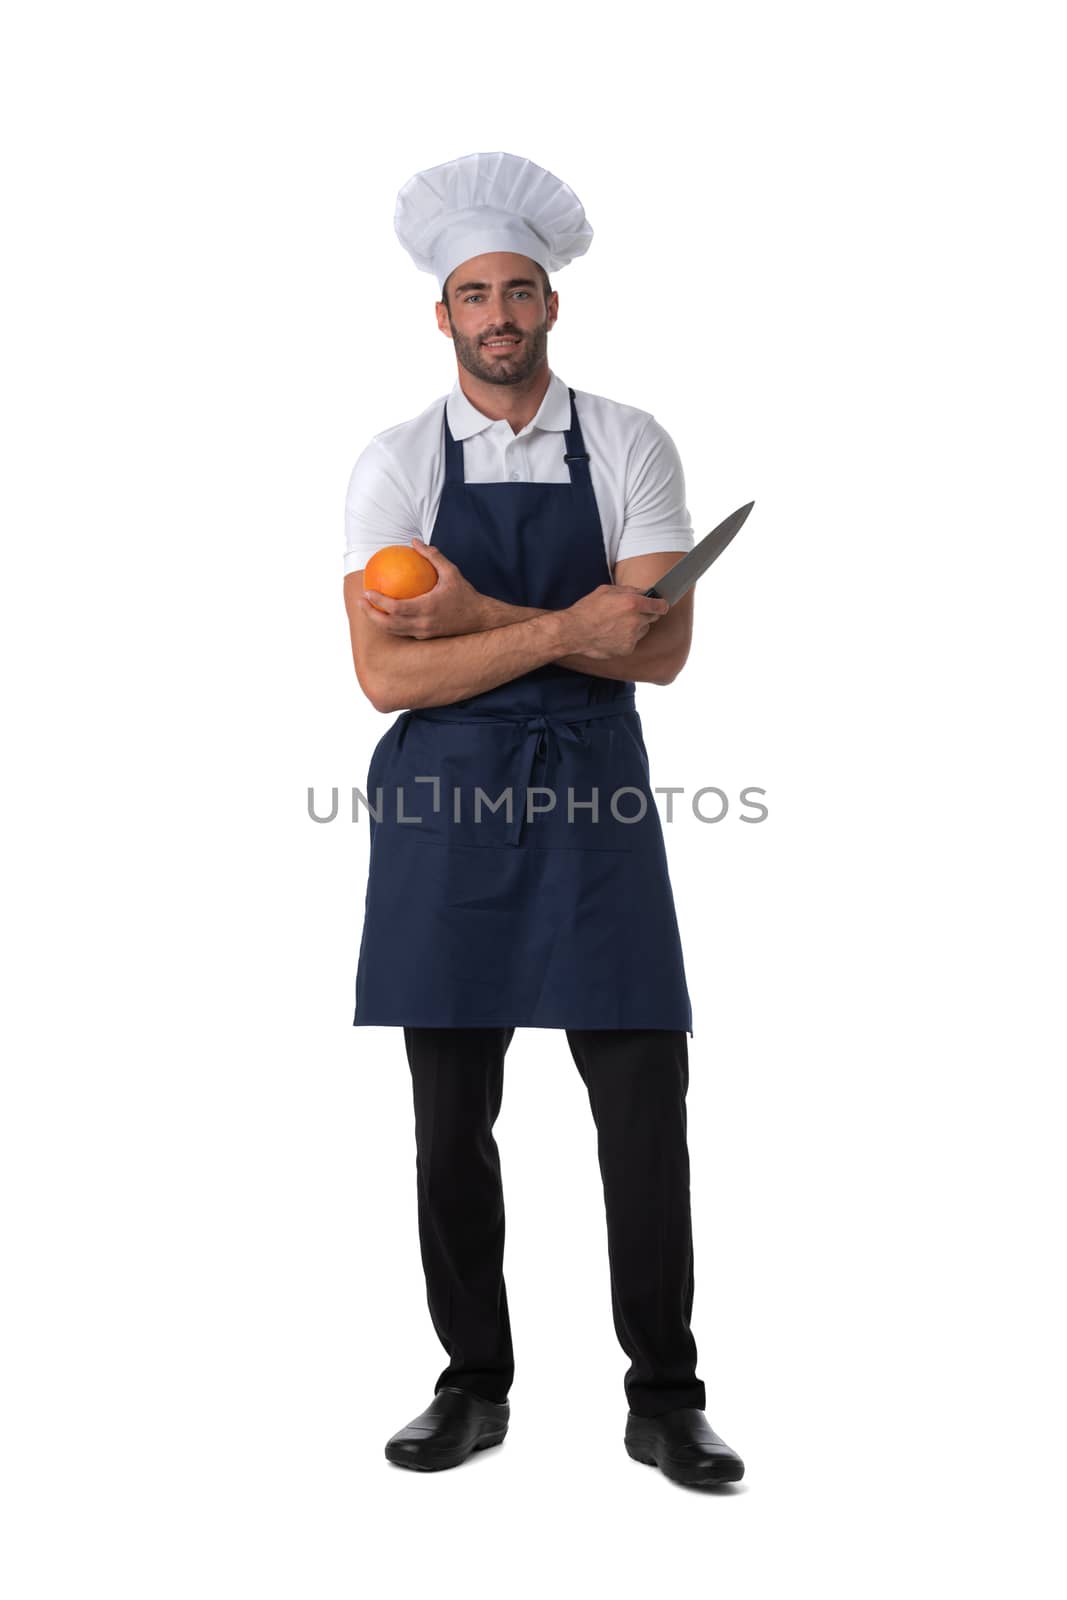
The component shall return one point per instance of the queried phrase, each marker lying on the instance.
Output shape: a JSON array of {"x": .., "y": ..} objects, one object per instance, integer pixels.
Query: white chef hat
[{"x": 489, "y": 201}]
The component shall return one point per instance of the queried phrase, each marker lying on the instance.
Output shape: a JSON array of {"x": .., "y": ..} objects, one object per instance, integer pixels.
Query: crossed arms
[{"x": 454, "y": 642}]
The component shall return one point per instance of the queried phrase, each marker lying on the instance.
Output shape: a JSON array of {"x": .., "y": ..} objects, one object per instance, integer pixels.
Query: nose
[{"x": 498, "y": 309}]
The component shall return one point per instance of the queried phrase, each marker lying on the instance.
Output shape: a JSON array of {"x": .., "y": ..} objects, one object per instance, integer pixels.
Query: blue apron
[{"x": 554, "y": 910}]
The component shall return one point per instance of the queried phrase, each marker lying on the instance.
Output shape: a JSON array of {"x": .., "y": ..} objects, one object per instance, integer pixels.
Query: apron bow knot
[{"x": 537, "y": 728}]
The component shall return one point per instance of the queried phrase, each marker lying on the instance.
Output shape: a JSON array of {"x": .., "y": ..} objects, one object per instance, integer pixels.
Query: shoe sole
[
  {"x": 454, "y": 1459},
  {"x": 724, "y": 1471}
]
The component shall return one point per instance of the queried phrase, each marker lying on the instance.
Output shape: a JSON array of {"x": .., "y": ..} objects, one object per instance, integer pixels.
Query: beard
[{"x": 510, "y": 367}]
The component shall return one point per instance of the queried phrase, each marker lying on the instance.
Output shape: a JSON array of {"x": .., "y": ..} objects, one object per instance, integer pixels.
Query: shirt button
[{"x": 516, "y": 477}]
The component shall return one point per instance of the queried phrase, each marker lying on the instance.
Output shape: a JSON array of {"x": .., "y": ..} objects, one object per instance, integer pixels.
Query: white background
[{"x": 828, "y": 257}]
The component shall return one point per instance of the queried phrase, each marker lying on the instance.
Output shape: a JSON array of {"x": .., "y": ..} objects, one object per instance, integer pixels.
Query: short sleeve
[
  {"x": 655, "y": 515},
  {"x": 378, "y": 507}
]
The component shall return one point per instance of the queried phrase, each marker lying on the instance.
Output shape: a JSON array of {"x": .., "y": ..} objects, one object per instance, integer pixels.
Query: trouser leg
[
  {"x": 637, "y": 1082},
  {"x": 457, "y": 1081}
]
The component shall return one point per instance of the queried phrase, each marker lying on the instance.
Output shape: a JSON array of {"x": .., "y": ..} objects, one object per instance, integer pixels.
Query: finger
[
  {"x": 395, "y": 608},
  {"x": 384, "y": 622}
]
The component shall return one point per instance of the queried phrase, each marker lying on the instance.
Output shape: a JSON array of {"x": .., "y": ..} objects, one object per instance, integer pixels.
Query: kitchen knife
[{"x": 682, "y": 576}]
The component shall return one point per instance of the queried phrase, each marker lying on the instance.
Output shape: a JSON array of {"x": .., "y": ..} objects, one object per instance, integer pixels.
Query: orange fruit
[{"x": 400, "y": 572}]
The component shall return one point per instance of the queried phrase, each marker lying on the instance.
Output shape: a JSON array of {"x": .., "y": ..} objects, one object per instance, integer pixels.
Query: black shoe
[
  {"x": 455, "y": 1423},
  {"x": 684, "y": 1446}
]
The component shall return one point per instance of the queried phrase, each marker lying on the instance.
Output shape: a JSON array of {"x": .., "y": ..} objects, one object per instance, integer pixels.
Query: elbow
[
  {"x": 669, "y": 671},
  {"x": 383, "y": 701},
  {"x": 386, "y": 700},
  {"x": 376, "y": 692},
  {"x": 674, "y": 664}
]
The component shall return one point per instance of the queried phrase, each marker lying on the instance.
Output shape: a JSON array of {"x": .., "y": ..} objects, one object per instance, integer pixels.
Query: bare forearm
[
  {"x": 648, "y": 662},
  {"x": 437, "y": 672}
]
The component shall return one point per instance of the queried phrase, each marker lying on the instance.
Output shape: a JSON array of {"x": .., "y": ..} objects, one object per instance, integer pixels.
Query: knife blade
[{"x": 682, "y": 576}]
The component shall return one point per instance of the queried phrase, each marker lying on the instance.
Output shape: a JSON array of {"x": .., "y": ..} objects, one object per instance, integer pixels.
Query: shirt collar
[{"x": 553, "y": 414}]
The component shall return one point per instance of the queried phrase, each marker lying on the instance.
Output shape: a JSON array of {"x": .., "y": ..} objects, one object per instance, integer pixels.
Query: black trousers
[{"x": 637, "y": 1082}]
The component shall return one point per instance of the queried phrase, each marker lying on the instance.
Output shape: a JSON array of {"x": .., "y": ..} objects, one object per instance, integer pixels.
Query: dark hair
[{"x": 544, "y": 284}]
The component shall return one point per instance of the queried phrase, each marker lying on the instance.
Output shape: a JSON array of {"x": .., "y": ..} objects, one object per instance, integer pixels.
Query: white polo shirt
[{"x": 396, "y": 484}]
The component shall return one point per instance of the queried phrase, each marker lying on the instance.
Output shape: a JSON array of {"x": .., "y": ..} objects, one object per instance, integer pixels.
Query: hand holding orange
[{"x": 399, "y": 572}]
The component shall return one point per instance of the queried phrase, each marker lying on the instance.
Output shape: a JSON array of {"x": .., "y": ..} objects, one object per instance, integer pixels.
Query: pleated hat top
[{"x": 489, "y": 201}]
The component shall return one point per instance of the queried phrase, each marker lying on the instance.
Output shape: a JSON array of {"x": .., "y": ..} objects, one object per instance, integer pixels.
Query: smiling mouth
[{"x": 499, "y": 344}]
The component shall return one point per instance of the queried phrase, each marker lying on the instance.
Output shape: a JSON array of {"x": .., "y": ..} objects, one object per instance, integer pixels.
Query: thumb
[{"x": 435, "y": 557}]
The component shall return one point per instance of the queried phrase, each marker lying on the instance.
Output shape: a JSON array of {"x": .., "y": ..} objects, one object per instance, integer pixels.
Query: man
[{"x": 517, "y": 875}]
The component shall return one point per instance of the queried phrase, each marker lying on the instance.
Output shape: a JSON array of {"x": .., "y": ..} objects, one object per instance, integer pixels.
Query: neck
[{"x": 516, "y": 403}]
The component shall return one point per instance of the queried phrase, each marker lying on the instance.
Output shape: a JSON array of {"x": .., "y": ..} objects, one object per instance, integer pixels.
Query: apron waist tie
[{"x": 537, "y": 724}]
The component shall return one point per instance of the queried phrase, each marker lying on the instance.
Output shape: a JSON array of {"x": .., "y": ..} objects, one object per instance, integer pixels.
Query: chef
[{"x": 517, "y": 874}]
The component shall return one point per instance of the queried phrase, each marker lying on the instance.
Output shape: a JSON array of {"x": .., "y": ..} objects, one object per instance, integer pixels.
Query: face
[{"x": 486, "y": 302}]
